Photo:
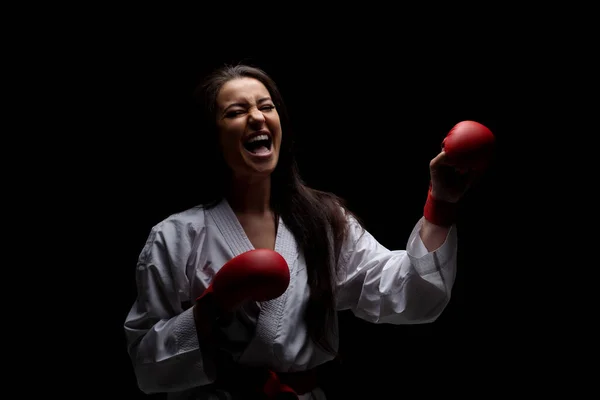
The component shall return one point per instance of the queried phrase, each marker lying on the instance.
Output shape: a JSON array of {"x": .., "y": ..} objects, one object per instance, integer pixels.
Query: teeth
[{"x": 259, "y": 137}]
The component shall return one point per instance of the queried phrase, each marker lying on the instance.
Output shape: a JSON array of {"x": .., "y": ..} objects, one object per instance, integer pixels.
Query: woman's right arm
[{"x": 162, "y": 340}]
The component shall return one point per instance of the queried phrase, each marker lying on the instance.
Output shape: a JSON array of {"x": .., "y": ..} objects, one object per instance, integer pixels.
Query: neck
[{"x": 250, "y": 197}]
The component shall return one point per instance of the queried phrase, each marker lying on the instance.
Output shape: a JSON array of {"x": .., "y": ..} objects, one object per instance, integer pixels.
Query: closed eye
[
  {"x": 235, "y": 113},
  {"x": 232, "y": 114}
]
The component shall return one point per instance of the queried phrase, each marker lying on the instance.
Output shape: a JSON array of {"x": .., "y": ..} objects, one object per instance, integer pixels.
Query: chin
[{"x": 263, "y": 170}]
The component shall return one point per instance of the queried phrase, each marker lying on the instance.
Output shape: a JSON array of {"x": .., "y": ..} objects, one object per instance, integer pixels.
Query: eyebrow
[{"x": 261, "y": 100}]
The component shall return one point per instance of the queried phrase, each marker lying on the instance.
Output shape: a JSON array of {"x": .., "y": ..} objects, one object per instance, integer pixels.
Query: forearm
[
  {"x": 167, "y": 357},
  {"x": 439, "y": 217},
  {"x": 433, "y": 236}
]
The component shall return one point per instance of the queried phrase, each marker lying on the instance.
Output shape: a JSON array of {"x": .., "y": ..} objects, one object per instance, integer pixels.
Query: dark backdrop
[{"x": 366, "y": 128}]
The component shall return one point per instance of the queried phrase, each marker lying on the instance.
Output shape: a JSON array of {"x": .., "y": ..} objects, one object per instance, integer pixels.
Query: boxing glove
[
  {"x": 469, "y": 145},
  {"x": 257, "y": 275}
]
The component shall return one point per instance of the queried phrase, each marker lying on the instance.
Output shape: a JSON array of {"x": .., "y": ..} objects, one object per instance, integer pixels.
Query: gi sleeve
[
  {"x": 409, "y": 286},
  {"x": 161, "y": 336}
]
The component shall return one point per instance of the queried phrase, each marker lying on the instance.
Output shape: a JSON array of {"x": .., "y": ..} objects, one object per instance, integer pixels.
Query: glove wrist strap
[{"x": 441, "y": 213}]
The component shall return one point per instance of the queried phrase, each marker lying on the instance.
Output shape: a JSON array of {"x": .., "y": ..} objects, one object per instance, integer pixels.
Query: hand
[
  {"x": 448, "y": 182},
  {"x": 466, "y": 152},
  {"x": 258, "y": 275}
]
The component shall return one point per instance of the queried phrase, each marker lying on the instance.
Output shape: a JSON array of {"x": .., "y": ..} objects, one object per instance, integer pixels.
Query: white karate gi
[{"x": 183, "y": 253}]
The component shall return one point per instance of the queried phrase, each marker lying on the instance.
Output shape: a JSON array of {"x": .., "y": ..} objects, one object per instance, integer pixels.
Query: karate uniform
[{"x": 185, "y": 251}]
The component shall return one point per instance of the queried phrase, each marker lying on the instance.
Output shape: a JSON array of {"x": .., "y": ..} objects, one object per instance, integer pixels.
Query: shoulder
[
  {"x": 343, "y": 223},
  {"x": 181, "y": 223},
  {"x": 354, "y": 226},
  {"x": 176, "y": 231}
]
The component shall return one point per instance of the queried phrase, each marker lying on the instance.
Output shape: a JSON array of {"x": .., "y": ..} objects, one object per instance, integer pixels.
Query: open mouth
[{"x": 259, "y": 145}]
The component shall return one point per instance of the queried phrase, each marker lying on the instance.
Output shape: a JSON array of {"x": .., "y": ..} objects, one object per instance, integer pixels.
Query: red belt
[
  {"x": 289, "y": 383},
  {"x": 266, "y": 384}
]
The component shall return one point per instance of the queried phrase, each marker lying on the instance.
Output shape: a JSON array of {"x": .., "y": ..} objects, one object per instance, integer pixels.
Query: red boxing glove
[
  {"x": 469, "y": 145},
  {"x": 258, "y": 275}
]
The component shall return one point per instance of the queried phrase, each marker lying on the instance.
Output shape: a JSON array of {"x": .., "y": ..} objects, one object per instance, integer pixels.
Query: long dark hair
[{"x": 314, "y": 217}]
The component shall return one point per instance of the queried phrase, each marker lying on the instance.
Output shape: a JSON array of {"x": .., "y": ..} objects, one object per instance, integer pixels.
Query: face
[{"x": 249, "y": 128}]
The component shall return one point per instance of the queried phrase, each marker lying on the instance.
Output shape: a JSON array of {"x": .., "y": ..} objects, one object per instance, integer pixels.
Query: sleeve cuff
[
  {"x": 185, "y": 332},
  {"x": 422, "y": 259}
]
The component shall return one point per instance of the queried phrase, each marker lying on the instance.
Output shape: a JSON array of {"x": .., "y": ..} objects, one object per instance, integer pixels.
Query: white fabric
[{"x": 185, "y": 251}]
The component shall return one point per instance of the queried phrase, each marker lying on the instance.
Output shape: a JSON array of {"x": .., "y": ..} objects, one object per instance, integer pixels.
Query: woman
[{"x": 255, "y": 199}]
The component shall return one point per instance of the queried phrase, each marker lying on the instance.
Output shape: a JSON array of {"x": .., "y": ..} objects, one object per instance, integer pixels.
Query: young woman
[{"x": 183, "y": 340}]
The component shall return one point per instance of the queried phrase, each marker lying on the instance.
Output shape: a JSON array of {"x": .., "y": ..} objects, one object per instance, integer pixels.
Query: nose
[{"x": 256, "y": 116}]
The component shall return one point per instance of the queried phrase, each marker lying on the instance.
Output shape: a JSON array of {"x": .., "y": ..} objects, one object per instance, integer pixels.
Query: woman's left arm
[
  {"x": 404, "y": 286},
  {"x": 414, "y": 285}
]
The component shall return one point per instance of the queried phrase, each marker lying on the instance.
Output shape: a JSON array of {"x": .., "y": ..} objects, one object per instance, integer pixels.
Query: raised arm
[{"x": 414, "y": 285}]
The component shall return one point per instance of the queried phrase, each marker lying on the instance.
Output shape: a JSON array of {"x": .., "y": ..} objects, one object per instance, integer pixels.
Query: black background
[{"x": 104, "y": 98}]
